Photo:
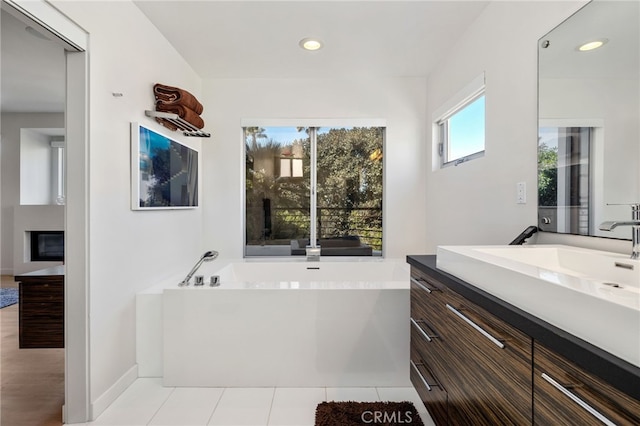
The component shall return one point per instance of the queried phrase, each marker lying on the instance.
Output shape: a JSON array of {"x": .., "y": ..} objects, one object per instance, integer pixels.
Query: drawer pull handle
[
  {"x": 495, "y": 341},
  {"x": 426, "y": 384},
  {"x": 578, "y": 401},
  {"x": 421, "y": 330},
  {"x": 422, "y": 286}
]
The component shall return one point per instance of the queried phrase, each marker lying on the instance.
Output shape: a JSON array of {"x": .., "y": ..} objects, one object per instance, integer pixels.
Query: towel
[
  {"x": 187, "y": 114},
  {"x": 175, "y": 96}
]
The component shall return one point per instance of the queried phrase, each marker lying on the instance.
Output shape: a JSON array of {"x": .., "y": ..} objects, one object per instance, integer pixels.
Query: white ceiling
[
  {"x": 32, "y": 70},
  {"x": 619, "y": 58},
  {"x": 259, "y": 39}
]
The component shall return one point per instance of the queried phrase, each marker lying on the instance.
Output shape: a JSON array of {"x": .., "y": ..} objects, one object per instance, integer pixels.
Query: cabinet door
[{"x": 565, "y": 394}]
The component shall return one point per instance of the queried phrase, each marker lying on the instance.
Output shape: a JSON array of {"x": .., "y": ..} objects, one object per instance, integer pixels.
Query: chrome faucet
[
  {"x": 634, "y": 223},
  {"x": 313, "y": 253},
  {"x": 208, "y": 256}
]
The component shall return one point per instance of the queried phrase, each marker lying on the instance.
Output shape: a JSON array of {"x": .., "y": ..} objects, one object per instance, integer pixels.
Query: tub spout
[
  {"x": 313, "y": 253},
  {"x": 208, "y": 256}
]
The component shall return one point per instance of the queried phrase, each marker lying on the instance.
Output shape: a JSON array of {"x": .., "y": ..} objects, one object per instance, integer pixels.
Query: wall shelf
[{"x": 187, "y": 128}]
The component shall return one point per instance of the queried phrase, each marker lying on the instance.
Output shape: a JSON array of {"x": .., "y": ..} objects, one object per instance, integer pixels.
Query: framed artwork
[{"x": 164, "y": 172}]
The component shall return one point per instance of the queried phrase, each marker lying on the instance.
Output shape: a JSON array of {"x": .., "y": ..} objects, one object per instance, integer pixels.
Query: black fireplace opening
[{"x": 47, "y": 246}]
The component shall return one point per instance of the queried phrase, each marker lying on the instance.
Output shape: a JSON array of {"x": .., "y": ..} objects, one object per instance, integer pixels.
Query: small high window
[{"x": 460, "y": 126}]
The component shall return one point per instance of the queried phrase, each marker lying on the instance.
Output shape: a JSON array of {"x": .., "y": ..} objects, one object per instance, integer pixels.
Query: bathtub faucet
[
  {"x": 313, "y": 253},
  {"x": 208, "y": 256}
]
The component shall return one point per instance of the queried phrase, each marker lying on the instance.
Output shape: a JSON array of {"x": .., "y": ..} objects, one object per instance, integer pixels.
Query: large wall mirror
[{"x": 589, "y": 120}]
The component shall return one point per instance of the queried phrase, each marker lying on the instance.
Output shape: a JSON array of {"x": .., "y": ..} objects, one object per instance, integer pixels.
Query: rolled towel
[
  {"x": 183, "y": 112},
  {"x": 174, "y": 95}
]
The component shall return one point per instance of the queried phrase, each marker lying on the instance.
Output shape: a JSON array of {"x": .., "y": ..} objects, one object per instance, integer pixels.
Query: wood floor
[{"x": 32, "y": 380}]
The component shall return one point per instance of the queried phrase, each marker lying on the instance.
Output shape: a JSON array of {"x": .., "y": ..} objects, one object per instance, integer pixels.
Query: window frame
[
  {"x": 475, "y": 90},
  {"x": 313, "y": 126}
]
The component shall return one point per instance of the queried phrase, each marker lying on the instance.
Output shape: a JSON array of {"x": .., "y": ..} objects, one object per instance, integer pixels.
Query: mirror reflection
[{"x": 589, "y": 120}]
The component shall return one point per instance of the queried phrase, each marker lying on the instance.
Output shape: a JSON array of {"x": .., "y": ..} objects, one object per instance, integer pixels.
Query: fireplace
[{"x": 47, "y": 246}]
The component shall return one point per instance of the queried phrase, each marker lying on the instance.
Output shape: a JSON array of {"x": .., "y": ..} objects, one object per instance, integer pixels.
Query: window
[
  {"x": 460, "y": 126},
  {"x": 321, "y": 184}
]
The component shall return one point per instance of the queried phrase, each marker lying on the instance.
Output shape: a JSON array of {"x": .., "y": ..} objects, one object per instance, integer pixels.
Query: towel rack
[{"x": 187, "y": 128}]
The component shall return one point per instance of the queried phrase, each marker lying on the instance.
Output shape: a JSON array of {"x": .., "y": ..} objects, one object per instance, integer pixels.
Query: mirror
[{"x": 589, "y": 120}]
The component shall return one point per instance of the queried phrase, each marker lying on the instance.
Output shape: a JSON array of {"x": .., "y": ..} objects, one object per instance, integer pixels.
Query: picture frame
[{"x": 164, "y": 171}]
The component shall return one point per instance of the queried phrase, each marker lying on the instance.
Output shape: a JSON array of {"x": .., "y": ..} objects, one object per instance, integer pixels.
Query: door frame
[{"x": 45, "y": 17}]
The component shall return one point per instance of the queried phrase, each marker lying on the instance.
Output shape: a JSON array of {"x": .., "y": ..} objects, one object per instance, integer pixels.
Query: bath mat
[
  {"x": 351, "y": 413},
  {"x": 8, "y": 297}
]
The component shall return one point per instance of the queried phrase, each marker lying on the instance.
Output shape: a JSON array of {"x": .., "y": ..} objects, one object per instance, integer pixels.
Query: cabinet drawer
[
  {"x": 566, "y": 394},
  {"x": 41, "y": 315},
  {"x": 485, "y": 364},
  {"x": 429, "y": 388}
]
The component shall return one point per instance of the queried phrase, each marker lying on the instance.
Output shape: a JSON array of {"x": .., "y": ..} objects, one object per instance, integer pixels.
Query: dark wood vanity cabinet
[
  {"x": 476, "y": 360},
  {"x": 482, "y": 364},
  {"x": 566, "y": 394},
  {"x": 41, "y": 310}
]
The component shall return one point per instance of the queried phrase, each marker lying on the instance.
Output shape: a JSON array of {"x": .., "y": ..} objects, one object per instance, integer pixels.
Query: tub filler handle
[{"x": 206, "y": 257}]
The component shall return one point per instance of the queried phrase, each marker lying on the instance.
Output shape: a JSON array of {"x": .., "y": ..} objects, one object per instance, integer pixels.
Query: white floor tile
[
  {"x": 188, "y": 407},
  {"x": 406, "y": 394},
  {"x": 243, "y": 406},
  {"x": 295, "y": 406},
  {"x": 136, "y": 406},
  {"x": 352, "y": 394}
]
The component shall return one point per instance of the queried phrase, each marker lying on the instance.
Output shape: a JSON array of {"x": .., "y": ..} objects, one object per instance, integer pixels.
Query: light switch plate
[{"x": 521, "y": 197}]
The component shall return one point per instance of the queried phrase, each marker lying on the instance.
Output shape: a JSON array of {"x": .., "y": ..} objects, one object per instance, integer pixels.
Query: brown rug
[{"x": 367, "y": 413}]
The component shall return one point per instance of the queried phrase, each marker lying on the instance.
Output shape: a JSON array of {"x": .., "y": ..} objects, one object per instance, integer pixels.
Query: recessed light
[
  {"x": 591, "y": 45},
  {"x": 310, "y": 43}
]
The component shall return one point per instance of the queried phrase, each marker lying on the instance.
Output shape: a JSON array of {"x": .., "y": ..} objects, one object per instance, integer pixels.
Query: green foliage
[
  {"x": 349, "y": 190},
  {"x": 547, "y": 175}
]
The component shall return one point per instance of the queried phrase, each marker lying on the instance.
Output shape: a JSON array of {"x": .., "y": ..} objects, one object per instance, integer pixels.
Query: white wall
[
  {"x": 129, "y": 250},
  {"x": 33, "y": 218},
  {"x": 401, "y": 102},
  {"x": 12, "y": 123},
  {"x": 36, "y": 159},
  {"x": 475, "y": 202}
]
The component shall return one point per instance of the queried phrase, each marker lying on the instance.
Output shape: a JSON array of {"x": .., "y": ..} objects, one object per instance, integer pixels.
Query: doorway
[{"x": 47, "y": 21}]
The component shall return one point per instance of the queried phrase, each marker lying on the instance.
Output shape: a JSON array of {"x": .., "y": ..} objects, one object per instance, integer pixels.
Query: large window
[{"x": 313, "y": 186}]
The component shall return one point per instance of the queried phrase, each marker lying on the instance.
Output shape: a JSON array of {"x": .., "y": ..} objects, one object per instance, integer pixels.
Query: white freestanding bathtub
[{"x": 280, "y": 323}]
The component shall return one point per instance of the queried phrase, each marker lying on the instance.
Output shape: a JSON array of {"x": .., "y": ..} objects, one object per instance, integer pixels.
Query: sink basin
[{"x": 594, "y": 295}]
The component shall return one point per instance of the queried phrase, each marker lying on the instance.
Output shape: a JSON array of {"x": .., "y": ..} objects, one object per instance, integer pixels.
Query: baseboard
[{"x": 106, "y": 399}]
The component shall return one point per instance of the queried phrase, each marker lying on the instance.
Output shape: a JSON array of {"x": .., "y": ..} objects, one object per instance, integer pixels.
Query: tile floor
[{"x": 146, "y": 402}]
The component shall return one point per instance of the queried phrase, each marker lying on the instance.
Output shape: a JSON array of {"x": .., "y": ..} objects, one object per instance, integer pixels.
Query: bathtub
[{"x": 333, "y": 323}]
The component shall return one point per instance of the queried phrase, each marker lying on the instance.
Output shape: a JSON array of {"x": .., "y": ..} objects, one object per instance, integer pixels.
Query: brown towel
[
  {"x": 183, "y": 112},
  {"x": 174, "y": 95}
]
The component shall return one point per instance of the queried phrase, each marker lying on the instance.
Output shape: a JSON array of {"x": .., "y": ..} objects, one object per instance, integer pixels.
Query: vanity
[
  {"x": 41, "y": 311},
  {"x": 478, "y": 359},
  {"x": 550, "y": 334}
]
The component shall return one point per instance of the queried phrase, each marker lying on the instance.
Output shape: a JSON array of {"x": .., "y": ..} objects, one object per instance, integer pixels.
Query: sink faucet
[
  {"x": 634, "y": 223},
  {"x": 208, "y": 256}
]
